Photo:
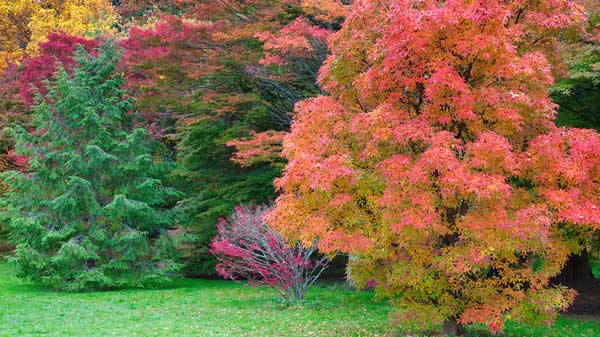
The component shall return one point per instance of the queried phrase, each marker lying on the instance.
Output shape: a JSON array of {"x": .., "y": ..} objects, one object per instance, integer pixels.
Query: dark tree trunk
[
  {"x": 576, "y": 271},
  {"x": 452, "y": 327},
  {"x": 577, "y": 274},
  {"x": 6, "y": 247}
]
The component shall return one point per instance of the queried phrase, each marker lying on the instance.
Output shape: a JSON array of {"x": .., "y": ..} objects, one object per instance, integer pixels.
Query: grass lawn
[{"x": 210, "y": 308}]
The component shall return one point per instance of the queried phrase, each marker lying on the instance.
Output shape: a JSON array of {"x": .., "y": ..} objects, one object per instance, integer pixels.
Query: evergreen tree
[{"x": 92, "y": 212}]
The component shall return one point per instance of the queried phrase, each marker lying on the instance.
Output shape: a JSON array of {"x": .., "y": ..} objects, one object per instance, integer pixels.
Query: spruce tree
[{"x": 92, "y": 211}]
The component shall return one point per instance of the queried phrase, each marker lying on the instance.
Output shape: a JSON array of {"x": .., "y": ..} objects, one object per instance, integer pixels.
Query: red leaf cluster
[
  {"x": 247, "y": 249},
  {"x": 59, "y": 48}
]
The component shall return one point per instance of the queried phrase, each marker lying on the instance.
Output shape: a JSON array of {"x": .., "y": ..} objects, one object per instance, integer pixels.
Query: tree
[
  {"x": 436, "y": 163},
  {"x": 92, "y": 211},
  {"x": 248, "y": 250},
  {"x": 20, "y": 83},
  {"x": 207, "y": 88},
  {"x": 26, "y": 23}
]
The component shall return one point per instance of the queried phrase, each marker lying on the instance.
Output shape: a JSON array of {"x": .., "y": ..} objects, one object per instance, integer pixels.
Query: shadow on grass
[{"x": 12, "y": 284}]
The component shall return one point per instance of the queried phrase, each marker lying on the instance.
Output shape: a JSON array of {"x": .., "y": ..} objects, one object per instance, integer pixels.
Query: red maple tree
[{"x": 436, "y": 163}]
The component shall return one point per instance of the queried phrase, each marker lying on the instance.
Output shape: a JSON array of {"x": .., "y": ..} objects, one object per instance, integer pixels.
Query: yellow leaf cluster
[{"x": 26, "y": 23}]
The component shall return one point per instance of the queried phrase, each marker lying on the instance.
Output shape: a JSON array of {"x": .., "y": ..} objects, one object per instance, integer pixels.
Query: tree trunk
[
  {"x": 576, "y": 271},
  {"x": 6, "y": 247},
  {"x": 577, "y": 274},
  {"x": 452, "y": 327}
]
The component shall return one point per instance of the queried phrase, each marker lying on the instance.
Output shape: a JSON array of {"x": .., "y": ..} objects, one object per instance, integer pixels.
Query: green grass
[
  {"x": 187, "y": 308},
  {"x": 569, "y": 326},
  {"x": 211, "y": 308}
]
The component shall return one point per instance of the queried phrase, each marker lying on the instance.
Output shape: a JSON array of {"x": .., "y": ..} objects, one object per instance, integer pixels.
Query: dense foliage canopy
[
  {"x": 26, "y": 23},
  {"x": 436, "y": 162},
  {"x": 219, "y": 83}
]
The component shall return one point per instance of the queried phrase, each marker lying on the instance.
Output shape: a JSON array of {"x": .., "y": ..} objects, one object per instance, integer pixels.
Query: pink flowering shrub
[{"x": 248, "y": 250}]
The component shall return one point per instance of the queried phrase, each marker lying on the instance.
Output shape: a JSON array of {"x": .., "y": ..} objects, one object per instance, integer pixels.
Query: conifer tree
[{"x": 92, "y": 211}]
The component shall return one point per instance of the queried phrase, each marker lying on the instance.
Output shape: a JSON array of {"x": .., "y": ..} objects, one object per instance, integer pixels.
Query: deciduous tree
[
  {"x": 26, "y": 23},
  {"x": 220, "y": 79},
  {"x": 436, "y": 163}
]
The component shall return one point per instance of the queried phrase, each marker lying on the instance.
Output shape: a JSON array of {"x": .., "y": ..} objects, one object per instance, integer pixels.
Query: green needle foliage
[
  {"x": 214, "y": 185},
  {"x": 92, "y": 212}
]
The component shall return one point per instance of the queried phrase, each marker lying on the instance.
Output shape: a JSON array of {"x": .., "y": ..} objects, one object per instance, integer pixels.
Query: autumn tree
[
  {"x": 91, "y": 211},
  {"x": 435, "y": 161},
  {"x": 26, "y": 23},
  {"x": 218, "y": 82}
]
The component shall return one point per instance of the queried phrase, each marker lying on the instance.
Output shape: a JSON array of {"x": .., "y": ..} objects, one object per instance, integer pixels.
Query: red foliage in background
[
  {"x": 59, "y": 48},
  {"x": 224, "y": 60}
]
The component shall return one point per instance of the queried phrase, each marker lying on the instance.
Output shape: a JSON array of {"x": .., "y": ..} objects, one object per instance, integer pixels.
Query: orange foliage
[
  {"x": 435, "y": 160},
  {"x": 261, "y": 147}
]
